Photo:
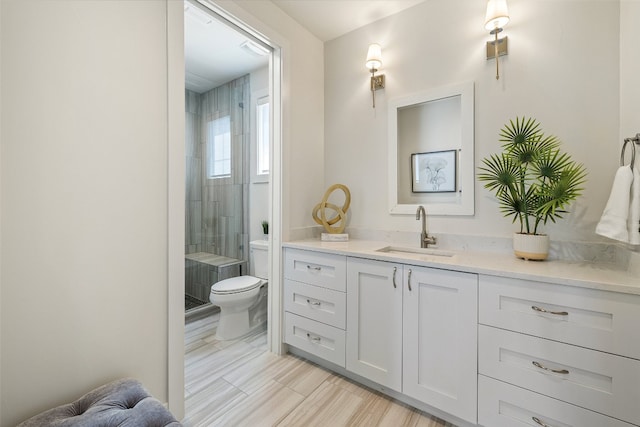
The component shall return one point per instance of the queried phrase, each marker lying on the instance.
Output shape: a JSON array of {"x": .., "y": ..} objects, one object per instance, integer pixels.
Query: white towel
[
  {"x": 613, "y": 223},
  {"x": 634, "y": 208}
]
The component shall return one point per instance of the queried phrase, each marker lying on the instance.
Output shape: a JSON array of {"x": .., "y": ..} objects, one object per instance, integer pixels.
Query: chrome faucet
[{"x": 425, "y": 239}]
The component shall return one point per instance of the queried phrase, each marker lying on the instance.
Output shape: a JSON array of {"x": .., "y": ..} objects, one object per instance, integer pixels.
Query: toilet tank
[{"x": 259, "y": 259}]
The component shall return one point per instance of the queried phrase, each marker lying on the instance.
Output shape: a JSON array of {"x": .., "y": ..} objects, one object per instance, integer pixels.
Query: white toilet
[{"x": 243, "y": 300}]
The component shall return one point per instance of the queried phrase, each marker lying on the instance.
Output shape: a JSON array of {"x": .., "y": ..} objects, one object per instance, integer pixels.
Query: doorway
[
  {"x": 227, "y": 165},
  {"x": 177, "y": 194}
]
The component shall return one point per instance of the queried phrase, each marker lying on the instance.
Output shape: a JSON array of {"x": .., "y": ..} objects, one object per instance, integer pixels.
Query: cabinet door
[
  {"x": 440, "y": 339},
  {"x": 374, "y": 321}
]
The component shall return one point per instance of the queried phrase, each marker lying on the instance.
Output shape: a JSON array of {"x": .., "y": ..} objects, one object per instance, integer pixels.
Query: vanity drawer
[
  {"x": 321, "y": 304},
  {"x": 590, "y": 318},
  {"x": 316, "y": 338},
  {"x": 504, "y": 405},
  {"x": 316, "y": 268},
  {"x": 587, "y": 378}
]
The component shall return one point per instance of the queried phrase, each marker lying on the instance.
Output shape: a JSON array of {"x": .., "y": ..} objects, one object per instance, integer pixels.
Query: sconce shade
[
  {"x": 497, "y": 14},
  {"x": 374, "y": 57}
]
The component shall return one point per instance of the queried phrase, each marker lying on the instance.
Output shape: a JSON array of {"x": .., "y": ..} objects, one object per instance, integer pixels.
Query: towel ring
[{"x": 633, "y": 152}]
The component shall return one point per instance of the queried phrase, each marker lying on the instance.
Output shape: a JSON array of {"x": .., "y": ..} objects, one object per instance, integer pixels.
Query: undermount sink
[{"x": 415, "y": 251}]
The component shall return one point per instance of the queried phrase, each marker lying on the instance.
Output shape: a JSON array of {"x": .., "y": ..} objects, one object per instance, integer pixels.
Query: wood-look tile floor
[{"x": 239, "y": 383}]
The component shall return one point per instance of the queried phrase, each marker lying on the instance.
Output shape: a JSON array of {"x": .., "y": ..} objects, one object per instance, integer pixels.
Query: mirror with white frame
[{"x": 431, "y": 144}]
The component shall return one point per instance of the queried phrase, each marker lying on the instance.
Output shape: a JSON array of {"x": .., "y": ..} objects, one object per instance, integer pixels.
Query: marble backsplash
[{"x": 611, "y": 254}]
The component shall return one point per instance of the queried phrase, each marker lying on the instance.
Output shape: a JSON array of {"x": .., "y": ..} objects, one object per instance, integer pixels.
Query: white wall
[
  {"x": 84, "y": 200},
  {"x": 629, "y": 69},
  {"x": 559, "y": 70}
]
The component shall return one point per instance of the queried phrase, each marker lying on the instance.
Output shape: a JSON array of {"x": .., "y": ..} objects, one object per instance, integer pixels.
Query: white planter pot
[{"x": 533, "y": 247}]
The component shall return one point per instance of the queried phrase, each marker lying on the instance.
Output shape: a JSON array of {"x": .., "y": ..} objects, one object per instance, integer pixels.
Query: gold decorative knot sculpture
[{"x": 341, "y": 213}]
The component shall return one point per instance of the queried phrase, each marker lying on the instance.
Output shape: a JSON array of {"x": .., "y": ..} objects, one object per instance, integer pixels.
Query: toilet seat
[{"x": 235, "y": 285}]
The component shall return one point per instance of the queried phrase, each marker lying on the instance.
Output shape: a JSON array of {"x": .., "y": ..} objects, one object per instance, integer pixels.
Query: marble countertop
[{"x": 580, "y": 274}]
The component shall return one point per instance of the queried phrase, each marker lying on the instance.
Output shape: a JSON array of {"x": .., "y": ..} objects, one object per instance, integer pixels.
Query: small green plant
[
  {"x": 533, "y": 180},
  {"x": 265, "y": 227}
]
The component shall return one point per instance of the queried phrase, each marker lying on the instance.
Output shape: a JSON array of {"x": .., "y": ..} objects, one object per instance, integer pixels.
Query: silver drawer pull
[
  {"x": 313, "y": 302},
  {"x": 409, "y": 280},
  {"x": 542, "y": 310},
  {"x": 537, "y": 420},
  {"x": 557, "y": 371},
  {"x": 316, "y": 339},
  {"x": 313, "y": 268},
  {"x": 395, "y": 269}
]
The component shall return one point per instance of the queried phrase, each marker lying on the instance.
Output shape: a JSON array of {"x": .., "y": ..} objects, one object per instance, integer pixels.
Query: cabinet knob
[
  {"x": 409, "y": 280},
  {"x": 313, "y": 268},
  {"x": 395, "y": 269},
  {"x": 313, "y": 302}
]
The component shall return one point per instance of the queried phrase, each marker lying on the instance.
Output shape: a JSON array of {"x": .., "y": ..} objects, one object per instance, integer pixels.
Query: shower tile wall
[
  {"x": 215, "y": 217},
  {"x": 224, "y": 200}
]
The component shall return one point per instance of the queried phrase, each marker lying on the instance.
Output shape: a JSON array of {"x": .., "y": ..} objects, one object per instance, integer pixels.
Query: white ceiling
[
  {"x": 328, "y": 19},
  {"x": 213, "y": 55}
]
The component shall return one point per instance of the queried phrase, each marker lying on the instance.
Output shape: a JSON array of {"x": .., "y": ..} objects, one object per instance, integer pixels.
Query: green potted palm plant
[{"x": 534, "y": 182}]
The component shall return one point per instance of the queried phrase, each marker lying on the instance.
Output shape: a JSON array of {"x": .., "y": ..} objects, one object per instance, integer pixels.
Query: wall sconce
[
  {"x": 374, "y": 61},
  {"x": 497, "y": 17}
]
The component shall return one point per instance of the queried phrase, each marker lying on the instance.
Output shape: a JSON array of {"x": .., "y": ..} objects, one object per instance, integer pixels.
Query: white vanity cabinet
[
  {"x": 490, "y": 349},
  {"x": 374, "y": 321},
  {"x": 440, "y": 339},
  {"x": 414, "y": 330},
  {"x": 557, "y": 355},
  {"x": 315, "y": 303}
]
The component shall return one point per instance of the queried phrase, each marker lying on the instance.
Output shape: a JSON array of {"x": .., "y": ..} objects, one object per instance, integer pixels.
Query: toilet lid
[{"x": 236, "y": 284}]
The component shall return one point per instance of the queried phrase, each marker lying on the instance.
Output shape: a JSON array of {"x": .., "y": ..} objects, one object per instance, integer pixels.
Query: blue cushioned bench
[{"x": 121, "y": 403}]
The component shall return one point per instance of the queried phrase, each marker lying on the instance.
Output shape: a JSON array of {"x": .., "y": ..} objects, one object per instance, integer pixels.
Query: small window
[
  {"x": 219, "y": 148},
  {"x": 262, "y": 136}
]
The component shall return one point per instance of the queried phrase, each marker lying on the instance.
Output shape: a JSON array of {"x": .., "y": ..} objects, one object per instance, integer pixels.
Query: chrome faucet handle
[{"x": 430, "y": 240}]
